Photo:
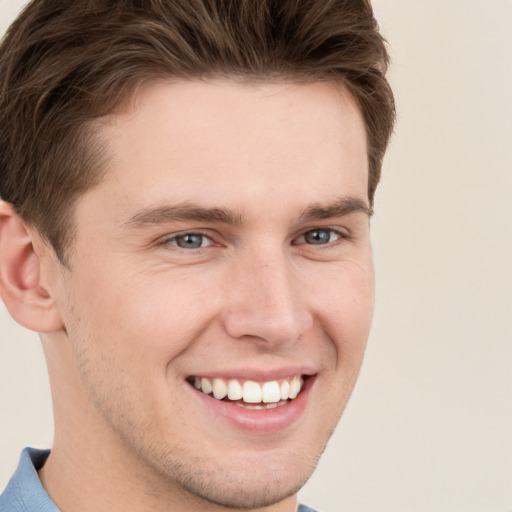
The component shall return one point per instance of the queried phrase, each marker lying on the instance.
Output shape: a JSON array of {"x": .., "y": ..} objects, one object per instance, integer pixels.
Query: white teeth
[
  {"x": 206, "y": 386},
  {"x": 285, "y": 390},
  {"x": 261, "y": 407},
  {"x": 267, "y": 394},
  {"x": 220, "y": 389},
  {"x": 257, "y": 407},
  {"x": 294, "y": 387},
  {"x": 270, "y": 392},
  {"x": 234, "y": 390},
  {"x": 252, "y": 392}
]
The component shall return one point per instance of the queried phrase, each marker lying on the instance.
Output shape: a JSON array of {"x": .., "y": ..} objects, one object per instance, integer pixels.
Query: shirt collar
[{"x": 25, "y": 492}]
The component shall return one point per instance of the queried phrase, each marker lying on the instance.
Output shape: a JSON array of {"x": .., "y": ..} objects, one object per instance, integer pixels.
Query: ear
[{"x": 22, "y": 284}]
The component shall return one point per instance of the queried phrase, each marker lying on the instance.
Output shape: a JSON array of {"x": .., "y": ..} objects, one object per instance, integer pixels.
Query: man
[{"x": 186, "y": 190}]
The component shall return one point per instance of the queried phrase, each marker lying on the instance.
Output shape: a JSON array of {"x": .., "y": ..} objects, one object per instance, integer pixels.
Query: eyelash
[{"x": 331, "y": 231}]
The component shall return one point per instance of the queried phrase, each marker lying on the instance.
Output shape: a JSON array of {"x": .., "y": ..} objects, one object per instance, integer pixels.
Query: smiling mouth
[{"x": 250, "y": 394}]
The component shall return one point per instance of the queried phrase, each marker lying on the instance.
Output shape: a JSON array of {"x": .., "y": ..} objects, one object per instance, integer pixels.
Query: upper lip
[{"x": 258, "y": 374}]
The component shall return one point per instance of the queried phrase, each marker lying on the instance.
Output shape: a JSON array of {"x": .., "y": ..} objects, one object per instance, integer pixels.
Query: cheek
[
  {"x": 151, "y": 319},
  {"x": 348, "y": 311}
]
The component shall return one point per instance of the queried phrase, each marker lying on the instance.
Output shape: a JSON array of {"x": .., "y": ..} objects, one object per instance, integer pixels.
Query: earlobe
[{"x": 22, "y": 287}]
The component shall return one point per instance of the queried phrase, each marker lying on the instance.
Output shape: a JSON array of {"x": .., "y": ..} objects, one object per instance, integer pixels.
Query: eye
[
  {"x": 189, "y": 241},
  {"x": 319, "y": 236}
]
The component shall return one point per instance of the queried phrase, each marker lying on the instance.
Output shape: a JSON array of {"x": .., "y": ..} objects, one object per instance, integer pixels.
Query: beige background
[{"x": 429, "y": 427}]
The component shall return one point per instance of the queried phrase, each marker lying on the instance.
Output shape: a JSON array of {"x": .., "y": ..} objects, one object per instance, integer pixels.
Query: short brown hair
[{"x": 65, "y": 63}]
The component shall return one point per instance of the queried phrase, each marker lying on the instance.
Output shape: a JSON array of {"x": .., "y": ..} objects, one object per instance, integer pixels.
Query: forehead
[{"x": 179, "y": 138}]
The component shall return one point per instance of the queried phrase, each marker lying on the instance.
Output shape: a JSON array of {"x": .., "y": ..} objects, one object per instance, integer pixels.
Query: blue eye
[
  {"x": 320, "y": 236},
  {"x": 190, "y": 241}
]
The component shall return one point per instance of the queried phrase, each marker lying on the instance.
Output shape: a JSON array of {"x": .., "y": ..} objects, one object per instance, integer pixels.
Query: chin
[
  {"x": 251, "y": 481},
  {"x": 249, "y": 491}
]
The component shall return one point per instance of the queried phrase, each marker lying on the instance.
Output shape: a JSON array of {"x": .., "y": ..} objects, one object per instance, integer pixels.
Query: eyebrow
[
  {"x": 193, "y": 212},
  {"x": 183, "y": 212},
  {"x": 339, "y": 208}
]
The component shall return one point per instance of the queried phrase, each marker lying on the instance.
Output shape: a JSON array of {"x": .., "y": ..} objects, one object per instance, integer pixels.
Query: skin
[{"x": 135, "y": 315}]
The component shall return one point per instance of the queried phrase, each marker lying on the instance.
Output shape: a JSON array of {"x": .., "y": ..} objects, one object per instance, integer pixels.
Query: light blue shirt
[{"x": 25, "y": 492}]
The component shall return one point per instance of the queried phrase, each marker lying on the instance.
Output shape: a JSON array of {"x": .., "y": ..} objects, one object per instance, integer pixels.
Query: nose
[{"x": 266, "y": 301}]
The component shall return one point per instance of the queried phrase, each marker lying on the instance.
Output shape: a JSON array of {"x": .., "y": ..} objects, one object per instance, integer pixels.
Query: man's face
[{"x": 228, "y": 245}]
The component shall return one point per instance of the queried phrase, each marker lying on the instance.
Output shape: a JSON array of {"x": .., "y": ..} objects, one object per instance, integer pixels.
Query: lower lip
[{"x": 258, "y": 420}]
